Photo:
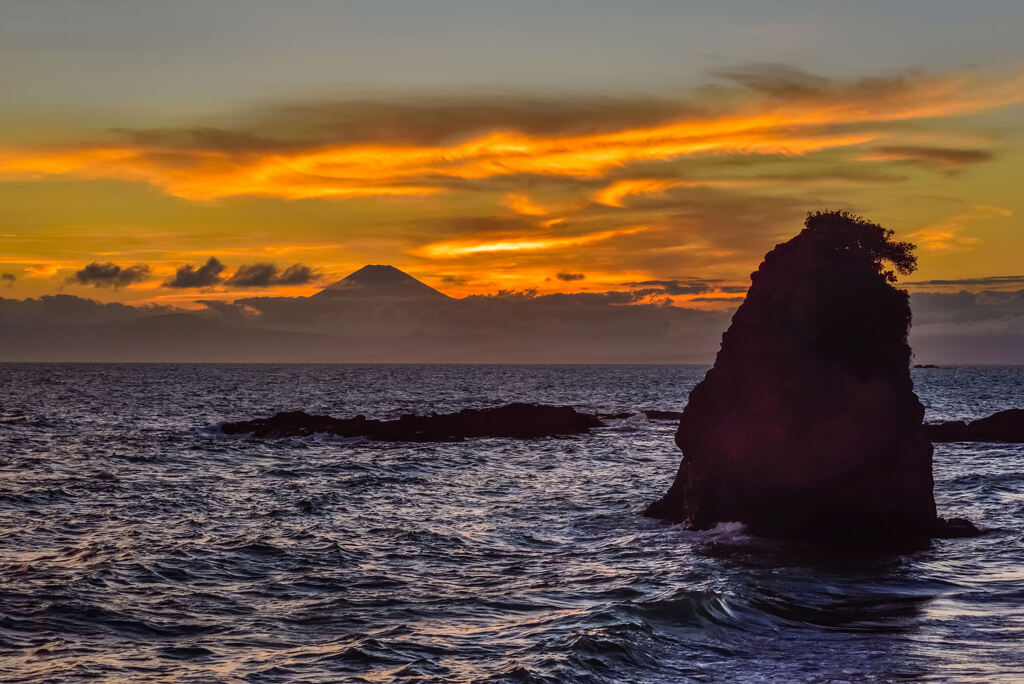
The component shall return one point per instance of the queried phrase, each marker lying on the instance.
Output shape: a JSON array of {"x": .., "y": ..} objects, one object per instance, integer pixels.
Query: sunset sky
[{"x": 563, "y": 146}]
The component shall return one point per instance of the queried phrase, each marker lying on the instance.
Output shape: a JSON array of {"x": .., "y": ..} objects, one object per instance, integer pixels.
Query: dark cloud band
[
  {"x": 265, "y": 275},
  {"x": 207, "y": 275},
  {"x": 109, "y": 274}
]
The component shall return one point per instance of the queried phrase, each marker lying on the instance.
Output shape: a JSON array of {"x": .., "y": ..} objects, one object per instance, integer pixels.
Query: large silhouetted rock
[
  {"x": 519, "y": 421},
  {"x": 807, "y": 426}
]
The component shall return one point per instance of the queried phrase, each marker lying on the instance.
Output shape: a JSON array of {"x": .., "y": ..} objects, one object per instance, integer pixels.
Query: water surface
[{"x": 139, "y": 544}]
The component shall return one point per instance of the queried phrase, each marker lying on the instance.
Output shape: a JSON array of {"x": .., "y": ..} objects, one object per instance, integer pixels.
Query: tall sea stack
[{"x": 807, "y": 426}]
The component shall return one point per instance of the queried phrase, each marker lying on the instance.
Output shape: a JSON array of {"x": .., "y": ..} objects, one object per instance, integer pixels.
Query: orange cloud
[
  {"x": 522, "y": 204},
  {"x": 46, "y": 270},
  {"x": 458, "y": 248},
  {"x": 613, "y": 195},
  {"x": 795, "y": 127},
  {"x": 946, "y": 235}
]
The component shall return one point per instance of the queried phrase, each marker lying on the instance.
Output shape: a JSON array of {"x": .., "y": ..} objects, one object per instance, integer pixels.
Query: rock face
[
  {"x": 1005, "y": 426},
  {"x": 518, "y": 421},
  {"x": 807, "y": 426}
]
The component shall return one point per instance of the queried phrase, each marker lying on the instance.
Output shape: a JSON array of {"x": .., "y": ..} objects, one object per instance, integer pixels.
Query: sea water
[{"x": 139, "y": 544}]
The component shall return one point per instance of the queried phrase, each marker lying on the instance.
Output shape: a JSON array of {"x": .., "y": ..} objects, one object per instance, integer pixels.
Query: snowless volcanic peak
[{"x": 377, "y": 280}]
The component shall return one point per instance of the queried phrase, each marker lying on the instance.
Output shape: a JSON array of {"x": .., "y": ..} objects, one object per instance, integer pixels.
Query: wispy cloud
[
  {"x": 687, "y": 286},
  {"x": 948, "y": 235},
  {"x": 521, "y": 203},
  {"x": 457, "y": 248},
  {"x": 982, "y": 282},
  {"x": 785, "y": 112},
  {"x": 614, "y": 194},
  {"x": 946, "y": 158}
]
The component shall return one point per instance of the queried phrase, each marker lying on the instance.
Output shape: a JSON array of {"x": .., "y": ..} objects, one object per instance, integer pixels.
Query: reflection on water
[{"x": 140, "y": 544}]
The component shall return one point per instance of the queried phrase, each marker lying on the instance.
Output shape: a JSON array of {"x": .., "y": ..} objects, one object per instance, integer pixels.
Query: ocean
[{"x": 139, "y": 544}]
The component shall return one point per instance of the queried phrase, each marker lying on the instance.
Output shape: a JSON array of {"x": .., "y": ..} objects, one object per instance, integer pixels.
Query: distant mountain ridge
[
  {"x": 378, "y": 314},
  {"x": 380, "y": 280}
]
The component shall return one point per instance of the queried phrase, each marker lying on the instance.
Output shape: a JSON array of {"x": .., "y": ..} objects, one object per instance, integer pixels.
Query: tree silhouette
[{"x": 851, "y": 234}]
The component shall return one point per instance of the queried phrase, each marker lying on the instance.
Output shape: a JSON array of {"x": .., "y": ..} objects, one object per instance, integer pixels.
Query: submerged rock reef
[
  {"x": 807, "y": 426},
  {"x": 517, "y": 421}
]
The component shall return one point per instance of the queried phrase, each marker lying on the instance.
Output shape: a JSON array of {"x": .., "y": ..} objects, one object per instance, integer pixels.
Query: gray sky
[{"x": 145, "y": 60}]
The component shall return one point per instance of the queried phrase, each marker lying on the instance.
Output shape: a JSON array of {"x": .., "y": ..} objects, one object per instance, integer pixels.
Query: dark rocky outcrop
[
  {"x": 655, "y": 414},
  {"x": 807, "y": 426},
  {"x": 518, "y": 421},
  {"x": 1005, "y": 426}
]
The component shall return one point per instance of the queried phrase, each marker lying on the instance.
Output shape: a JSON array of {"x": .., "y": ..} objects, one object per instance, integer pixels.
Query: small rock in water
[
  {"x": 1005, "y": 426},
  {"x": 654, "y": 414},
  {"x": 954, "y": 528}
]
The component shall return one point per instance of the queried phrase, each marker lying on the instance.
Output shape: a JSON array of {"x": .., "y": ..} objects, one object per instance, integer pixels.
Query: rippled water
[{"x": 138, "y": 544}]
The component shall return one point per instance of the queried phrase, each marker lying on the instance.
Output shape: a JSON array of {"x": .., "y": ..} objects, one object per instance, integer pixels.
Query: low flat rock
[
  {"x": 655, "y": 414},
  {"x": 1005, "y": 426},
  {"x": 516, "y": 421}
]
